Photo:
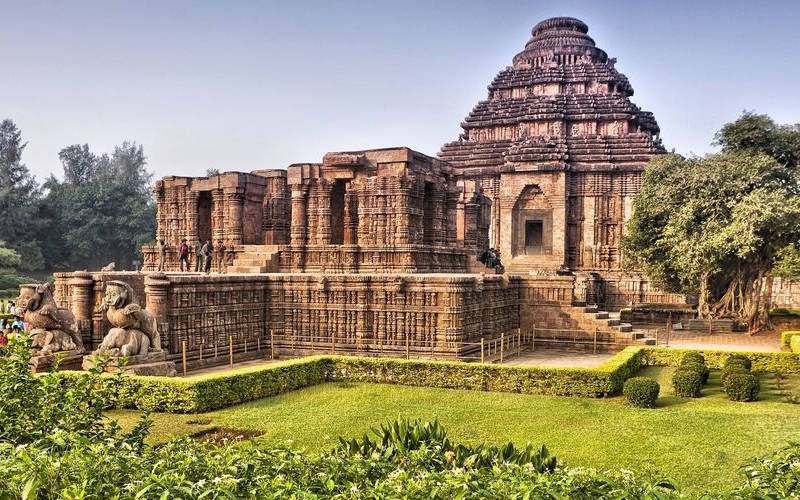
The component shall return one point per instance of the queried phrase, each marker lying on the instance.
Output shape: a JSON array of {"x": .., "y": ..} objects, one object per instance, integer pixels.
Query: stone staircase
[
  {"x": 253, "y": 259},
  {"x": 590, "y": 317}
]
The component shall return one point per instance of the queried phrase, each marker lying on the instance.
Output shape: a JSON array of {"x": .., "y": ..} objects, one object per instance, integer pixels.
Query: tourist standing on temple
[
  {"x": 198, "y": 256},
  {"x": 183, "y": 255},
  {"x": 207, "y": 251},
  {"x": 161, "y": 248},
  {"x": 221, "y": 255}
]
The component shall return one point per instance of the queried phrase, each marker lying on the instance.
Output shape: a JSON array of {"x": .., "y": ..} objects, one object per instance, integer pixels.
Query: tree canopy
[
  {"x": 101, "y": 212},
  {"x": 722, "y": 225}
]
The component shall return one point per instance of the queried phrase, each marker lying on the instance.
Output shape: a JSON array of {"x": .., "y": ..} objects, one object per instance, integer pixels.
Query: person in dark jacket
[
  {"x": 183, "y": 255},
  {"x": 198, "y": 256}
]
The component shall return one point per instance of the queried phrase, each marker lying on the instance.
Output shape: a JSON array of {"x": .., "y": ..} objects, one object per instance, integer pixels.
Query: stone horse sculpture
[
  {"x": 53, "y": 328},
  {"x": 134, "y": 331}
]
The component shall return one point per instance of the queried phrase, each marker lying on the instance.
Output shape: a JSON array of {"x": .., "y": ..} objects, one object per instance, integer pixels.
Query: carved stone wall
[
  {"x": 387, "y": 210},
  {"x": 237, "y": 208},
  {"x": 432, "y": 314}
]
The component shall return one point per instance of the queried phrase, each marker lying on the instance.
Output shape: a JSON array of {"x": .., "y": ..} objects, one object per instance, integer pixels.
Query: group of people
[
  {"x": 10, "y": 325},
  {"x": 491, "y": 259},
  {"x": 204, "y": 255}
]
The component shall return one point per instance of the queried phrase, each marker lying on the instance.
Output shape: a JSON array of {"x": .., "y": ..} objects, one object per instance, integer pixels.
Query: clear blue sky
[{"x": 248, "y": 85}]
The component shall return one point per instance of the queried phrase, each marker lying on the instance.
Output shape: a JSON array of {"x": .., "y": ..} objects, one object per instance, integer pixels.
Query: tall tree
[
  {"x": 19, "y": 199},
  {"x": 105, "y": 215},
  {"x": 721, "y": 226},
  {"x": 79, "y": 164}
]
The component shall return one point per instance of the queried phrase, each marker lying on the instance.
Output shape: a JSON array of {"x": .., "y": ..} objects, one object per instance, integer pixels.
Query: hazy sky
[{"x": 241, "y": 85}]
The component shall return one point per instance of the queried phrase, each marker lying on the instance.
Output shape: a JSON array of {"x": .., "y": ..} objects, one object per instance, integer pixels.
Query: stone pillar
[
  {"x": 161, "y": 210},
  {"x": 298, "y": 227},
  {"x": 350, "y": 216},
  {"x": 217, "y": 215},
  {"x": 190, "y": 232},
  {"x": 234, "y": 225},
  {"x": 81, "y": 285},
  {"x": 156, "y": 290}
]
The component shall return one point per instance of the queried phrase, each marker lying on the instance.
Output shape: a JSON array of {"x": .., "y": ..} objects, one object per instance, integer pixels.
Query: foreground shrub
[
  {"x": 687, "y": 382},
  {"x": 777, "y": 476},
  {"x": 641, "y": 392}
]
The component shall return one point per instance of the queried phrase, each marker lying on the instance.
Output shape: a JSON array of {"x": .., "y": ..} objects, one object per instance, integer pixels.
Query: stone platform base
[
  {"x": 152, "y": 364},
  {"x": 70, "y": 360}
]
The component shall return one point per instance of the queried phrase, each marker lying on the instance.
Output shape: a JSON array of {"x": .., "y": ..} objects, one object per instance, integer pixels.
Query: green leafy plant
[
  {"x": 741, "y": 386},
  {"x": 641, "y": 391},
  {"x": 687, "y": 382}
]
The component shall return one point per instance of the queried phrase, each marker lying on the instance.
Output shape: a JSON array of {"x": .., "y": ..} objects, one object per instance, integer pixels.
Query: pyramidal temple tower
[{"x": 559, "y": 148}]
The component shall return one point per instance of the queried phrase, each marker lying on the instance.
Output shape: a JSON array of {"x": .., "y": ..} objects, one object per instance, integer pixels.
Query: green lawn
[{"x": 700, "y": 443}]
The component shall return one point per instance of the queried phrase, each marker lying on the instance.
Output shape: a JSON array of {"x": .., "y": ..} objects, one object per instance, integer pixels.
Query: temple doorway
[
  {"x": 534, "y": 240},
  {"x": 337, "y": 212},
  {"x": 204, "y": 205}
]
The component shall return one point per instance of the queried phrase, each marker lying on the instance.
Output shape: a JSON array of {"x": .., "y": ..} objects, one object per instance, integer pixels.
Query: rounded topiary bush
[
  {"x": 738, "y": 359},
  {"x": 687, "y": 382},
  {"x": 741, "y": 386},
  {"x": 641, "y": 391},
  {"x": 700, "y": 368},
  {"x": 693, "y": 356},
  {"x": 732, "y": 369}
]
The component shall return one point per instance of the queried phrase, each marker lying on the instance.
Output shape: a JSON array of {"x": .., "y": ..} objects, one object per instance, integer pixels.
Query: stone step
[
  {"x": 646, "y": 341},
  {"x": 247, "y": 269},
  {"x": 601, "y": 315},
  {"x": 625, "y": 327}
]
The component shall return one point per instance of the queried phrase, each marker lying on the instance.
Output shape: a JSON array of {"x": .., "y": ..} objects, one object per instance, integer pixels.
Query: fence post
[
  {"x": 709, "y": 326},
  {"x": 258, "y": 344},
  {"x": 183, "y": 348},
  {"x": 519, "y": 341},
  {"x": 312, "y": 344},
  {"x": 230, "y": 349},
  {"x": 408, "y": 347},
  {"x": 481, "y": 348},
  {"x": 533, "y": 338},
  {"x": 594, "y": 344},
  {"x": 271, "y": 346},
  {"x": 201, "y": 349},
  {"x": 502, "y": 341},
  {"x": 657, "y": 330},
  {"x": 215, "y": 348},
  {"x": 245, "y": 346},
  {"x": 333, "y": 342}
]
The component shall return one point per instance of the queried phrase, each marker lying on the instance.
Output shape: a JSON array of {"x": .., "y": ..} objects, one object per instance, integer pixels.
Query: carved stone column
[
  {"x": 81, "y": 285},
  {"x": 350, "y": 216},
  {"x": 234, "y": 224},
  {"x": 217, "y": 215},
  {"x": 190, "y": 232},
  {"x": 298, "y": 227},
  {"x": 156, "y": 290}
]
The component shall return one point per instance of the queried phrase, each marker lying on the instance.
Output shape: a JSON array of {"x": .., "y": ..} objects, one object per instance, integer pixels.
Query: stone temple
[{"x": 375, "y": 251}]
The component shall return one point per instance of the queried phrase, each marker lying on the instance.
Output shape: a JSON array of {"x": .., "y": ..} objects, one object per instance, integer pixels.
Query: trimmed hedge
[
  {"x": 794, "y": 344},
  {"x": 786, "y": 337},
  {"x": 223, "y": 389},
  {"x": 776, "y": 362},
  {"x": 641, "y": 391}
]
